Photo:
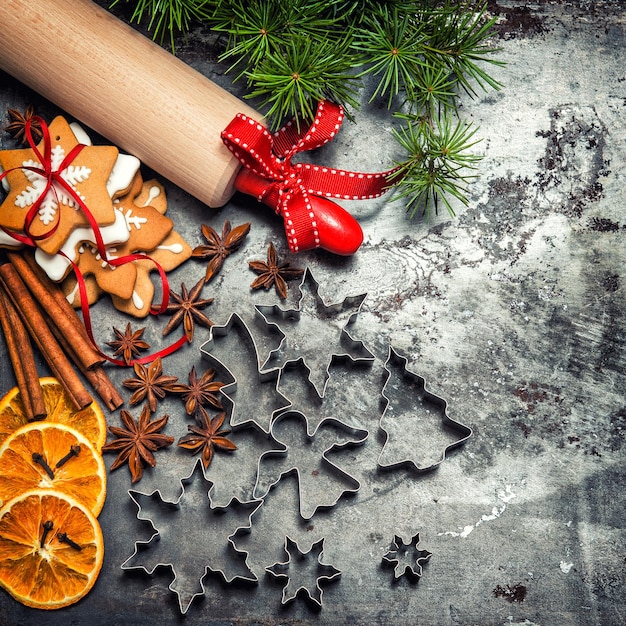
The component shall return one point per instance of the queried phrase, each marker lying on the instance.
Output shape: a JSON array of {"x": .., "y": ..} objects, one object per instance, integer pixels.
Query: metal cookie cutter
[
  {"x": 307, "y": 328},
  {"x": 351, "y": 395},
  {"x": 321, "y": 483},
  {"x": 300, "y": 569},
  {"x": 417, "y": 428},
  {"x": 237, "y": 480},
  {"x": 407, "y": 558},
  {"x": 231, "y": 350},
  {"x": 179, "y": 541}
]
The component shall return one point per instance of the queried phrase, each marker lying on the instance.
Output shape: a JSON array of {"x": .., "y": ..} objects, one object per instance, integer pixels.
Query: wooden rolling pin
[{"x": 125, "y": 87}]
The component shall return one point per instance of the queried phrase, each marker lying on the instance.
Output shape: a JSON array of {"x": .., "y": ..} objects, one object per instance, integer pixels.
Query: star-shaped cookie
[{"x": 86, "y": 175}]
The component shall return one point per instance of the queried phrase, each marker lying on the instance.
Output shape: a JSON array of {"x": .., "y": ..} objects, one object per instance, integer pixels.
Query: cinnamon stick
[
  {"x": 43, "y": 337},
  {"x": 63, "y": 317},
  {"x": 22, "y": 360},
  {"x": 103, "y": 386},
  {"x": 96, "y": 376}
]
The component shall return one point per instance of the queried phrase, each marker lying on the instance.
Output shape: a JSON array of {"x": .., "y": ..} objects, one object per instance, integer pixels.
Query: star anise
[
  {"x": 136, "y": 443},
  {"x": 218, "y": 248},
  {"x": 206, "y": 436},
  {"x": 128, "y": 344},
  {"x": 274, "y": 273},
  {"x": 199, "y": 391},
  {"x": 150, "y": 383},
  {"x": 17, "y": 126},
  {"x": 186, "y": 308}
]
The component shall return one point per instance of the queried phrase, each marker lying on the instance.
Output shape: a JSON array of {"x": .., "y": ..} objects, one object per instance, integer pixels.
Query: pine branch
[
  {"x": 291, "y": 81},
  {"x": 391, "y": 44},
  {"x": 459, "y": 40},
  {"x": 437, "y": 163},
  {"x": 170, "y": 16}
]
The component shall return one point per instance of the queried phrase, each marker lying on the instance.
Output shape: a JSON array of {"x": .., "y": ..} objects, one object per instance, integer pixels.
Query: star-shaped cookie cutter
[
  {"x": 349, "y": 345},
  {"x": 296, "y": 562},
  {"x": 258, "y": 395},
  {"x": 317, "y": 468},
  {"x": 407, "y": 558},
  {"x": 427, "y": 403},
  {"x": 191, "y": 556}
]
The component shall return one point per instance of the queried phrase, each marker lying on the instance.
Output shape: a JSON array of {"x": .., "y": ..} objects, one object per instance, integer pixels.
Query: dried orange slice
[
  {"x": 51, "y": 549},
  {"x": 45, "y": 455},
  {"x": 90, "y": 421}
]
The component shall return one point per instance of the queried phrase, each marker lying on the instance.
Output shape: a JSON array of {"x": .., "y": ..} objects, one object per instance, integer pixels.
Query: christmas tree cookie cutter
[
  {"x": 305, "y": 455},
  {"x": 418, "y": 431},
  {"x": 302, "y": 343},
  {"x": 406, "y": 557},
  {"x": 174, "y": 546},
  {"x": 300, "y": 568},
  {"x": 230, "y": 350}
]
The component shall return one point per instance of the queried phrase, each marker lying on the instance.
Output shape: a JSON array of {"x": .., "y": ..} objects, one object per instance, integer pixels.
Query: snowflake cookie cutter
[
  {"x": 260, "y": 395},
  {"x": 317, "y": 468},
  {"x": 351, "y": 348},
  {"x": 407, "y": 558},
  {"x": 185, "y": 558},
  {"x": 406, "y": 414},
  {"x": 298, "y": 560}
]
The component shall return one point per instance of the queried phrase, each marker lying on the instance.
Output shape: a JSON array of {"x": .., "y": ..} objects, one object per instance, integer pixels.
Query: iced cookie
[
  {"x": 169, "y": 254},
  {"x": 152, "y": 193},
  {"x": 125, "y": 171},
  {"x": 146, "y": 229},
  {"x": 87, "y": 175},
  {"x": 72, "y": 293}
]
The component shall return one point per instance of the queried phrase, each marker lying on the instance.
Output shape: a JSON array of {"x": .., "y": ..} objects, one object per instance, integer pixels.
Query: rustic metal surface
[{"x": 513, "y": 313}]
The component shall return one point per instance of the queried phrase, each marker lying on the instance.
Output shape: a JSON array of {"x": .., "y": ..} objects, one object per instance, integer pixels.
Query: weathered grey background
[{"x": 513, "y": 312}]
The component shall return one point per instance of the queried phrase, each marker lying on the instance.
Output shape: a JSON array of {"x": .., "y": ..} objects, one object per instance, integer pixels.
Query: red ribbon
[
  {"x": 54, "y": 177},
  {"x": 290, "y": 185}
]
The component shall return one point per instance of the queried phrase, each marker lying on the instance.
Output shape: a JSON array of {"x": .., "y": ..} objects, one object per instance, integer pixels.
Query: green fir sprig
[
  {"x": 417, "y": 57},
  {"x": 172, "y": 17},
  {"x": 306, "y": 70},
  {"x": 437, "y": 164}
]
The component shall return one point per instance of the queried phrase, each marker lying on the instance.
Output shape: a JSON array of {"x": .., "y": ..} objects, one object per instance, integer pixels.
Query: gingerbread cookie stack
[{"x": 128, "y": 215}]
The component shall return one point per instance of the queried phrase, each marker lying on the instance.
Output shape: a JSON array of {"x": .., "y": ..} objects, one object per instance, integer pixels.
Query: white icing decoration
[
  {"x": 137, "y": 301},
  {"x": 154, "y": 192},
  {"x": 110, "y": 256},
  {"x": 80, "y": 134},
  {"x": 72, "y": 295},
  {"x": 135, "y": 221},
  {"x": 7, "y": 240},
  {"x": 175, "y": 248},
  {"x": 124, "y": 169},
  {"x": 56, "y": 265},
  {"x": 57, "y": 194}
]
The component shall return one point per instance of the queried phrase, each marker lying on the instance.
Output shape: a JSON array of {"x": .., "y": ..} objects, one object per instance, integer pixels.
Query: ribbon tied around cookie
[
  {"x": 302, "y": 193},
  {"x": 53, "y": 176}
]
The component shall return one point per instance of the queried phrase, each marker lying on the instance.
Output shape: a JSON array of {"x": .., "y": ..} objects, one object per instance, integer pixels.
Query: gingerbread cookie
[
  {"x": 145, "y": 228},
  {"x": 125, "y": 170},
  {"x": 87, "y": 175},
  {"x": 72, "y": 293},
  {"x": 57, "y": 266},
  {"x": 150, "y": 233},
  {"x": 169, "y": 254}
]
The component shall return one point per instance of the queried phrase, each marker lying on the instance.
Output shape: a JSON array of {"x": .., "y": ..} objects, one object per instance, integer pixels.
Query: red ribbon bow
[
  {"x": 54, "y": 177},
  {"x": 300, "y": 192}
]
